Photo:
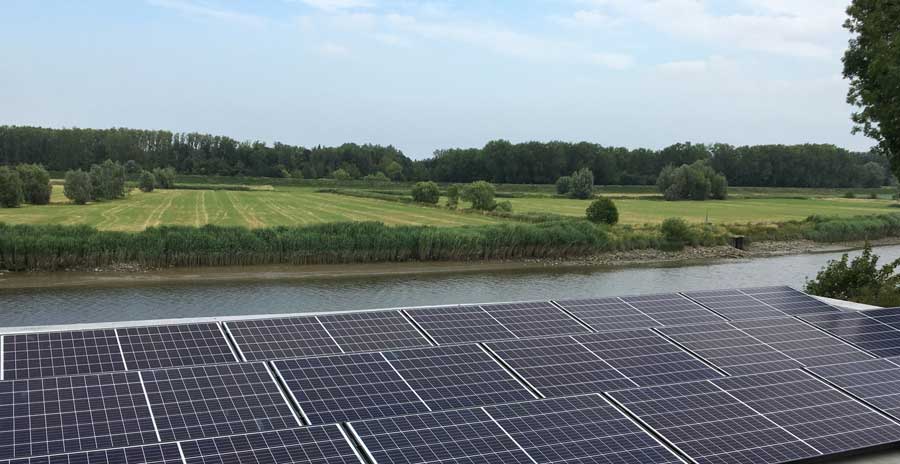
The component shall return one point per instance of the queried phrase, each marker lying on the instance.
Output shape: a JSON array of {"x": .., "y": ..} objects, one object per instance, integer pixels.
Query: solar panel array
[{"x": 750, "y": 375}]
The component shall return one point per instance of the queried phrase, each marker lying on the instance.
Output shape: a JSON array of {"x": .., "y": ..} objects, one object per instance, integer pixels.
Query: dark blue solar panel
[
  {"x": 865, "y": 332},
  {"x": 209, "y": 401},
  {"x": 801, "y": 342},
  {"x": 730, "y": 349},
  {"x": 608, "y": 314},
  {"x": 646, "y": 358},
  {"x": 711, "y": 426},
  {"x": 465, "y": 436},
  {"x": 165, "y": 453},
  {"x": 57, "y": 415},
  {"x": 308, "y": 445},
  {"x": 458, "y": 376},
  {"x": 560, "y": 366},
  {"x": 372, "y": 331},
  {"x": 877, "y": 381},
  {"x": 789, "y": 301},
  {"x": 734, "y": 304},
  {"x": 672, "y": 309},
  {"x": 340, "y": 388},
  {"x": 534, "y": 319},
  {"x": 460, "y": 324},
  {"x": 579, "y": 429},
  {"x": 290, "y": 337},
  {"x": 174, "y": 346},
  {"x": 889, "y": 316},
  {"x": 49, "y": 354}
]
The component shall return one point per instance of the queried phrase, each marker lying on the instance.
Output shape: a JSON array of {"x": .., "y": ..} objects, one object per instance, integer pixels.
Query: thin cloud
[
  {"x": 337, "y": 5},
  {"x": 203, "y": 11}
]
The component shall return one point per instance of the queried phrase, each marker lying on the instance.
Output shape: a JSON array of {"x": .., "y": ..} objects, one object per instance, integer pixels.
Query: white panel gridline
[{"x": 372, "y": 331}]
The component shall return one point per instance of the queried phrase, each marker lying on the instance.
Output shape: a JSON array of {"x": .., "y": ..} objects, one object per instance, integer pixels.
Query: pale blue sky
[{"x": 428, "y": 75}]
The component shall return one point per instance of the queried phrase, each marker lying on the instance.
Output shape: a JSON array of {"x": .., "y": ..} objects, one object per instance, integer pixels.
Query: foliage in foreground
[{"x": 860, "y": 280}]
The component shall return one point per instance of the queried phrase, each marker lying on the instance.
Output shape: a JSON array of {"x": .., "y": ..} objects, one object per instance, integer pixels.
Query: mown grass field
[{"x": 290, "y": 205}]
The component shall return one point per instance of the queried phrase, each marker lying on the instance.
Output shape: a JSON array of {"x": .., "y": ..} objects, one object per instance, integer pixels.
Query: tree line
[{"x": 499, "y": 161}]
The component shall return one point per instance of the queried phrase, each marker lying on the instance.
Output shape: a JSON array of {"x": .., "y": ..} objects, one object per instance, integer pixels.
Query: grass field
[{"x": 289, "y": 205}]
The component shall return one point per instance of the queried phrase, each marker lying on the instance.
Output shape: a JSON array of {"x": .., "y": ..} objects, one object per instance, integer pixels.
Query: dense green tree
[
  {"x": 78, "y": 186},
  {"x": 35, "y": 183},
  {"x": 394, "y": 170},
  {"x": 426, "y": 192},
  {"x": 452, "y": 196},
  {"x": 872, "y": 63},
  {"x": 563, "y": 185},
  {"x": 107, "y": 180},
  {"x": 602, "y": 211},
  {"x": 582, "y": 184},
  {"x": 480, "y": 194},
  {"x": 165, "y": 177},
  {"x": 11, "y": 195},
  {"x": 697, "y": 181},
  {"x": 147, "y": 181},
  {"x": 340, "y": 174}
]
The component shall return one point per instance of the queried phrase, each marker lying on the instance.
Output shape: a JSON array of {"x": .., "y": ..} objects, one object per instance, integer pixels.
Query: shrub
[
  {"x": 873, "y": 196},
  {"x": 36, "y": 186},
  {"x": 340, "y": 174},
  {"x": 107, "y": 180},
  {"x": 426, "y": 192},
  {"x": 377, "y": 177},
  {"x": 582, "y": 184},
  {"x": 165, "y": 177},
  {"x": 452, "y": 196},
  {"x": 11, "y": 195},
  {"x": 849, "y": 195},
  {"x": 480, "y": 194},
  {"x": 676, "y": 233},
  {"x": 394, "y": 170},
  {"x": 503, "y": 206},
  {"x": 860, "y": 280},
  {"x": 603, "y": 210},
  {"x": 563, "y": 185},
  {"x": 78, "y": 187},
  {"x": 697, "y": 181},
  {"x": 147, "y": 181}
]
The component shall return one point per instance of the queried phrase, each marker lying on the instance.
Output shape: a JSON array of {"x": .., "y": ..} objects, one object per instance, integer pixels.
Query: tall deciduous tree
[{"x": 35, "y": 183}]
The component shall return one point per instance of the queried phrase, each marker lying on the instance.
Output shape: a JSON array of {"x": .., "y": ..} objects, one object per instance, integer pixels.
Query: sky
[{"x": 429, "y": 75}]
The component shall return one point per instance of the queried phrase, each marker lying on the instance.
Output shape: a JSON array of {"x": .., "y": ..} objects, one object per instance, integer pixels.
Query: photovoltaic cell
[
  {"x": 49, "y": 354},
  {"x": 174, "y": 346},
  {"x": 876, "y": 381},
  {"x": 889, "y": 316},
  {"x": 801, "y": 342},
  {"x": 821, "y": 416},
  {"x": 464, "y": 436},
  {"x": 57, "y": 415},
  {"x": 789, "y": 301},
  {"x": 711, "y": 426},
  {"x": 646, "y": 358},
  {"x": 372, "y": 331},
  {"x": 308, "y": 445},
  {"x": 734, "y": 304},
  {"x": 209, "y": 401},
  {"x": 579, "y": 429},
  {"x": 342, "y": 388},
  {"x": 560, "y": 366},
  {"x": 608, "y": 314},
  {"x": 164, "y": 453},
  {"x": 457, "y": 376},
  {"x": 534, "y": 319},
  {"x": 672, "y": 309},
  {"x": 290, "y": 337},
  {"x": 730, "y": 349},
  {"x": 459, "y": 324},
  {"x": 863, "y": 331}
]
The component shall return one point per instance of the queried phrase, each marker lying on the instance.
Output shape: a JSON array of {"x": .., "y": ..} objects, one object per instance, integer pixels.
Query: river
[{"x": 44, "y": 306}]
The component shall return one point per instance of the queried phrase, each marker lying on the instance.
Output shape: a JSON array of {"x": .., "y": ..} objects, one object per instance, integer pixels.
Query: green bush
[
  {"x": 582, "y": 184},
  {"x": 452, "y": 196},
  {"x": 849, "y": 195},
  {"x": 563, "y": 185},
  {"x": 165, "y": 178},
  {"x": 340, "y": 174},
  {"x": 676, "y": 233},
  {"x": 602, "y": 211},
  {"x": 107, "y": 180},
  {"x": 36, "y": 186},
  {"x": 426, "y": 192},
  {"x": 78, "y": 187},
  {"x": 147, "y": 181},
  {"x": 11, "y": 195},
  {"x": 504, "y": 207},
  {"x": 377, "y": 177},
  {"x": 861, "y": 280},
  {"x": 480, "y": 194},
  {"x": 697, "y": 181}
]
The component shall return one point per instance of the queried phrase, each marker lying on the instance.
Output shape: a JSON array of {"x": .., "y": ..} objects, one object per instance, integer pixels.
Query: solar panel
[
  {"x": 646, "y": 358},
  {"x": 876, "y": 381},
  {"x": 341, "y": 388},
  {"x": 801, "y": 342},
  {"x": 865, "y": 332},
  {"x": 579, "y": 429},
  {"x": 49, "y": 354},
  {"x": 821, "y": 416},
  {"x": 889, "y": 316},
  {"x": 465, "y": 436},
  {"x": 559, "y": 366},
  {"x": 372, "y": 331},
  {"x": 711, "y": 426},
  {"x": 734, "y": 304},
  {"x": 174, "y": 346},
  {"x": 457, "y": 376},
  {"x": 730, "y": 349},
  {"x": 164, "y": 453},
  {"x": 208, "y": 401},
  {"x": 290, "y": 337},
  {"x": 459, "y": 324},
  {"x": 308, "y": 445},
  {"x": 56, "y": 415},
  {"x": 789, "y": 301},
  {"x": 534, "y": 319},
  {"x": 672, "y": 309},
  {"x": 608, "y": 314}
]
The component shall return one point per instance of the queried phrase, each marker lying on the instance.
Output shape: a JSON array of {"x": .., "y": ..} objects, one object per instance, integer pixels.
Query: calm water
[{"x": 80, "y": 305}]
